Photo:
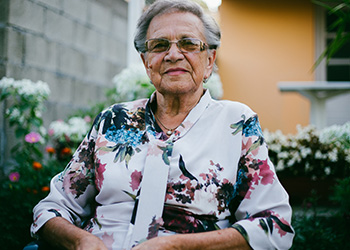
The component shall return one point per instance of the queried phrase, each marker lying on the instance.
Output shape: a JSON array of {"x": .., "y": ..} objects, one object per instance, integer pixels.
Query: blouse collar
[{"x": 191, "y": 119}]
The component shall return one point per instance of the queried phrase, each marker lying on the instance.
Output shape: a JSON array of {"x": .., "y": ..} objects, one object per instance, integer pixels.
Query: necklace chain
[{"x": 170, "y": 130}]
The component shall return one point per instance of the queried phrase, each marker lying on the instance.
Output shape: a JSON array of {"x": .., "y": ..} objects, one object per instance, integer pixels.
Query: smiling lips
[{"x": 175, "y": 71}]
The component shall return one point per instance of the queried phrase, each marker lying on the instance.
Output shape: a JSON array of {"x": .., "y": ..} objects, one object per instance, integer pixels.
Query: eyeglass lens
[{"x": 184, "y": 45}]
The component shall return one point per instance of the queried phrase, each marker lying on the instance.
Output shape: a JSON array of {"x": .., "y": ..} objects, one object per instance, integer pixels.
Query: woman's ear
[
  {"x": 143, "y": 57},
  {"x": 211, "y": 62},
  {"x": 145, "y": 63}
]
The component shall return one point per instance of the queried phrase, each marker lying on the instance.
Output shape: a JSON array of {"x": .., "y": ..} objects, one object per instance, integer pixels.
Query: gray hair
[{"x": 212, "y": 31}]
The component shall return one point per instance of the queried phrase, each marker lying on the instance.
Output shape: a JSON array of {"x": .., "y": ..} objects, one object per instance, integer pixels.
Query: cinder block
[
  {"x": 59, "y": 28},
  {"x": 96, "y": 69},
  {"x": 119, "y": 27},
  {"x": 84, "y": 94},
  {"x": 18, "y": 72},
  {"x": 54, "y": 4},
  {"x": 71, "y": 62},
  {"x": 86, "y": 39},
  {"x": 100, "y": 16},
  {"x": 14, "y": 46},
  {"x": 78, "y": 9},
  {"x": 40, "y": 52},
  {"x": 120, "y": 50},
  {"x": 27, "y": 15},
  {"x": 112, "y": 70},
  {"x": 61, "y": 87}
]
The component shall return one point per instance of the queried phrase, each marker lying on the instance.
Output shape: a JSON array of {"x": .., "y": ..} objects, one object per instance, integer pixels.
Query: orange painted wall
[{"x": 264, "y": 42}]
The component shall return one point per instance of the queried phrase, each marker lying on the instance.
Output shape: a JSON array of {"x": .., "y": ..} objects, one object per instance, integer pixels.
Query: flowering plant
[
  {"x": 316, "y": 153},
  {"x": 68, "y": 135},
  {"x": 133, "y": 83},
  {"x": 25, "y": 177},
  {"x": 27, "y": 104},
  {"x": 30, "y": 170}
]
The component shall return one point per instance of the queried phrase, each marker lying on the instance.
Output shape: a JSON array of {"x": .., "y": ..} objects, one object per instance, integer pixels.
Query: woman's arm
[
  {"x": 228, "y": 238},
  {"x": 60, "y": 233}
]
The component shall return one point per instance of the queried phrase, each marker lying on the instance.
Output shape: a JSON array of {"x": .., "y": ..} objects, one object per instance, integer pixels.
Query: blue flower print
[
  {"x": 124, "y": 136},
  {"x": 252, "y": 127}
]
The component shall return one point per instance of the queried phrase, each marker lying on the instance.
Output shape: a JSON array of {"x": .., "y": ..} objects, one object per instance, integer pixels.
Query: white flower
[
  {"x": 132, "y": 83},
  {"x": 305, "y": 152},
  {"x": 338, "y": 134},
  {"x": 283, "y": 155},
  {"x": 319, "y": 155},
  {"x": 26, "y": 87},
  {"x": 333, "y": 155},
  {"x": 215, "y": 86},
  {"x": 327, "y": 170},
  {"x": 75, "y": 129},
  {"x": 280, "y": 166},
  {"x": 6, "y": 82}
]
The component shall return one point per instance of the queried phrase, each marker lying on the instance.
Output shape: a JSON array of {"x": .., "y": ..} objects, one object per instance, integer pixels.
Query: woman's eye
[{"x": 160, "y": 46}]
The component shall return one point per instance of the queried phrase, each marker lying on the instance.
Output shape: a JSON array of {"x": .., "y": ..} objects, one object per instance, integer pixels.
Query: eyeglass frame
[{"x": 203, "y": 45}]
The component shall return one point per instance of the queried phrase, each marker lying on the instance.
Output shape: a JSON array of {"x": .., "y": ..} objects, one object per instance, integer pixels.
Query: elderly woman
[{"x": 177, "y": 171}]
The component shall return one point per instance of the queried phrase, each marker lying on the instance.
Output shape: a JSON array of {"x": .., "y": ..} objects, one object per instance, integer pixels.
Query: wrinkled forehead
[{"x": 176, "y": 24}]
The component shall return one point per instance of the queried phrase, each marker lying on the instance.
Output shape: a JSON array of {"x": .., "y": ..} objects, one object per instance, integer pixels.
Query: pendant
[{"x": 169, "y": 133}]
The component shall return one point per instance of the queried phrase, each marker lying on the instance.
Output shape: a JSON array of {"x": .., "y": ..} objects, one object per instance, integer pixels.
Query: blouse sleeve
[
  {"x": 72, "y": 191},
  {"x": 262, "y": 210}
]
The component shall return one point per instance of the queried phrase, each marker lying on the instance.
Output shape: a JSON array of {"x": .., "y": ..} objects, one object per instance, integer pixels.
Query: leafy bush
[
  {"x": 31, "y": 167},
  {"x": 341, "y": 196},
  {"x": 313, "y": 153},
  {"x": 320, "y": 232}
]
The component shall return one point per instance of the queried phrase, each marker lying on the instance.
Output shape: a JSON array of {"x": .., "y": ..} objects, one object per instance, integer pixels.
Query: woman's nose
[{"x": 174, "y": 53}]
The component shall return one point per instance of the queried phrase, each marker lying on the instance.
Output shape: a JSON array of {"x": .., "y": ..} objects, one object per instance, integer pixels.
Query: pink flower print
[
  {"x": 99, "y": 178},
  {"x": 32, "y": 137},
  {"x": 14, "y": 177},
  {"x": 108, "y": 240},
  {"x": 136, "y": 178},
  {"x": 266, "y": 173},
  {"x": 255, "y": 179},
  {"x": 246, "y": 146},
  {"x": 101, "y": 143}
]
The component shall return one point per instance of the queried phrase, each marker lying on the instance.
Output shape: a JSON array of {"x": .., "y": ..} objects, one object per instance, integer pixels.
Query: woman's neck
[
  {"x": 176, "y": 105},
  {"x": 171, "y": 110}
]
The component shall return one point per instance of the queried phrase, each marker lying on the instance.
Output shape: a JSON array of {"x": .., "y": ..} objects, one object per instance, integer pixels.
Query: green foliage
[
  {"x": 341, "y": 196},
  {"x": 341, "y": 9},
  {"x": 30, "y": 170},
  {"x": 320, "y": 232}
]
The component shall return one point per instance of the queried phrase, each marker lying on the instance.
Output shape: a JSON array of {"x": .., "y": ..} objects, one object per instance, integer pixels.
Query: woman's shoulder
[
  {"x": 129, "y": 107},
  {"x": 119, "y": 111},
  {"x": 234, "y": 106}
]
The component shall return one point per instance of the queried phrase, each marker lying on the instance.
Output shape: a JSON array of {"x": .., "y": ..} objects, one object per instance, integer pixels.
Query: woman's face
[{"x": 174, "y": 72}]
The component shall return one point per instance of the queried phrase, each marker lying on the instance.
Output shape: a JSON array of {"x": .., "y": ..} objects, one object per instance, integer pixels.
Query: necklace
[{"x": 170, "y": 130}]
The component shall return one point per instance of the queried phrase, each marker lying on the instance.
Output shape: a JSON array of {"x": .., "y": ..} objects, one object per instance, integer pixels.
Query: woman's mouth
[{"x": 175, "y": 71}]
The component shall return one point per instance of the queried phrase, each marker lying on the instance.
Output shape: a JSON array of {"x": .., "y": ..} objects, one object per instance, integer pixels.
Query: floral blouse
[{"x": 219, "y": 176}]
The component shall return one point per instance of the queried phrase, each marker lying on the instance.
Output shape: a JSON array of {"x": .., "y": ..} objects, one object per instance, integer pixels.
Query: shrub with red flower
[
  {"x": 37, "y": 165},
  {"x": 32, "y": 137},
  {"x": 14, "y": 176}
]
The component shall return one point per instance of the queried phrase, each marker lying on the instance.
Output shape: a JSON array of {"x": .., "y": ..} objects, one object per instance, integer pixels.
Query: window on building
[{"x": 338, "y": 67}]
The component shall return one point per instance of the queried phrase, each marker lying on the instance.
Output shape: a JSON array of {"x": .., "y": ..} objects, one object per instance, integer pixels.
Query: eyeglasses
[{"x": 185, "y": 45}]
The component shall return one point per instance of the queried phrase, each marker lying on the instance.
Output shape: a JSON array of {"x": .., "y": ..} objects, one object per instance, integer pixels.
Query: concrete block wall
[{"x": 76, "y": 46}]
